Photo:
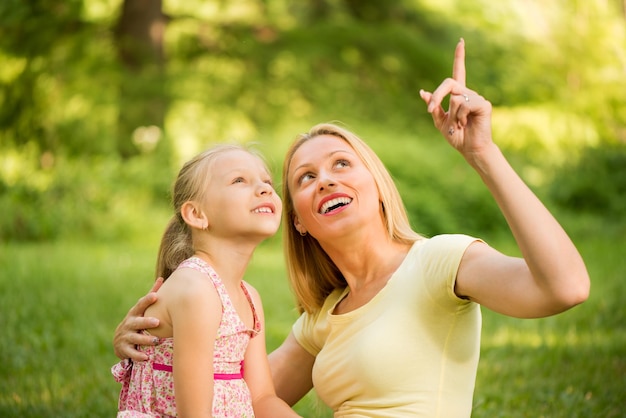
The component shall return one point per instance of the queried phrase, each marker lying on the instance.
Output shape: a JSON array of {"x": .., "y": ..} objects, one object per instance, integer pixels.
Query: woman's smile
[{"x": 334, "y": 203}]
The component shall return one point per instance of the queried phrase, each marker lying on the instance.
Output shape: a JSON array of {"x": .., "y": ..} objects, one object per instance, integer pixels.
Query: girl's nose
[{"x": 265, "y": 188}]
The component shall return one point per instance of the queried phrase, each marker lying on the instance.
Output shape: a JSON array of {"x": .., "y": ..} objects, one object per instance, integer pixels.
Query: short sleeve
[
  {"x": 303, "y": 331},
  {"x": 440, "y": 258},
  {"x": 311, "y": 330}
]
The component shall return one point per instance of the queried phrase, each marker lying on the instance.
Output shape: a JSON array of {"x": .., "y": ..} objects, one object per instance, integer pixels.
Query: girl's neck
[{"x": 229, "y": 265}]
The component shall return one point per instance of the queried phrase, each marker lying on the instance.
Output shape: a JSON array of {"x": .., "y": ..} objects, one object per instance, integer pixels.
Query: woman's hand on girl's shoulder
[{"x": 127, "y": 334}]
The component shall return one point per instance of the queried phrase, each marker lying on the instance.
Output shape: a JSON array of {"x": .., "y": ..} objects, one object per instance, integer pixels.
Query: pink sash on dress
[{"x": 216, "y": 376}]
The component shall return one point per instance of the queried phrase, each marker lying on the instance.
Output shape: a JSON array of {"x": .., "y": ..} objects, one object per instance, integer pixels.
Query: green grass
[{"x": 60, "y": 302}]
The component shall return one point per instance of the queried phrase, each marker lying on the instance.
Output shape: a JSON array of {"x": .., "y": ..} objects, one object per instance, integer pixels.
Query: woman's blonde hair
[
  {"x": 191, "y": 184},
  {"x": 312, "y": 274}
]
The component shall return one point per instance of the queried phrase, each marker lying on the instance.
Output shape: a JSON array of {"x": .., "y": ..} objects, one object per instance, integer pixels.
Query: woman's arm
[
  {"x": 538, "y": 285},
  {"x": 257, "y": 373},
  {"x": 551, "y": 277},
  {"x": 291, "y": 367},
  {"x": 127, "y": 336}
]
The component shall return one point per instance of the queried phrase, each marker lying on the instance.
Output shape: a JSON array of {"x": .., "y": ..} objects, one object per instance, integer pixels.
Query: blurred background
[{"x": 101, "y": 101}]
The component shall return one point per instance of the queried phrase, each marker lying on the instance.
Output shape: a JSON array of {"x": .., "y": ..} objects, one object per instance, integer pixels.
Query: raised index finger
[{"x": 458, "y": 67}]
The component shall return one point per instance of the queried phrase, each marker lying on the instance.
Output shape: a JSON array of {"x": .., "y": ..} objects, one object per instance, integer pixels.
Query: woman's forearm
[{"x": 272, "y": 407}]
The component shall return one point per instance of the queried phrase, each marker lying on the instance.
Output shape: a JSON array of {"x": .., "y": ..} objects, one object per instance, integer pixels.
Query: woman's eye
[
  {"x": 342, "y": 163},
  {"x": 305, "y": 177}
]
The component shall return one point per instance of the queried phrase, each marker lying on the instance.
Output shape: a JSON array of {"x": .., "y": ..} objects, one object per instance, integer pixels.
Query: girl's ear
[{"x": 193, "y": 215}]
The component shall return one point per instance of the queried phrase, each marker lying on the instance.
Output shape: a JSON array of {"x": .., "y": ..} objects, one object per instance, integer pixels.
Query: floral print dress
[{"x": 148, "y": 387}]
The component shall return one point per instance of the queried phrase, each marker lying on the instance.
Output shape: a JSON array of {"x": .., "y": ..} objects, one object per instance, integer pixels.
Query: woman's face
[{"x": 332, "y": 191}]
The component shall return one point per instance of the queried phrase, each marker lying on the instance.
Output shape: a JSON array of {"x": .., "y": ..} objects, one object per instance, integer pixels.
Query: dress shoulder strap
[{"x": 199, "y": 264}]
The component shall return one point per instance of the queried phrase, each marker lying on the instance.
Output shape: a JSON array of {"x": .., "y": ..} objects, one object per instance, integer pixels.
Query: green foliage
[
  {"x": 52, "y": 84},
  {"x": 38, "y": 22},
  {"x": 263, "y": 71},
  {"x": 441, "y": 193},
  {"x": 363, "y": 77},
  {"x": 595, "y": 182},
  {"x": 103, "y": 198}
]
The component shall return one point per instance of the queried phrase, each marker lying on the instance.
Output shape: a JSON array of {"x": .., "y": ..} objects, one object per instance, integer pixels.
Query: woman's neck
[
  {"x": 367, "y": 273},
  {"x": 369, "y": 264}
]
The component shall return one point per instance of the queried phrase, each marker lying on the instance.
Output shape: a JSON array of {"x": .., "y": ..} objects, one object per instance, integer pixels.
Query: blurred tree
[
  {"x": 376, "y": 11},
  {"x": 110, "y": 83},
  {"x": 143, "y": 104},
  {"x": 27, "y": 50}
]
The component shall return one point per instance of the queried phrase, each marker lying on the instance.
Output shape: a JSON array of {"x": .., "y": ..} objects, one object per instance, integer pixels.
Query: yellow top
[{"x": 411, "y": 351}]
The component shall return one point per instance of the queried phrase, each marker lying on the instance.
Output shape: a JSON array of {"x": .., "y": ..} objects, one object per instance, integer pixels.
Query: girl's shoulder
[
  {"x": 188, "y": 284},
  {"x": 188, "y": 275},
  {"x": 251, "y": 289}
]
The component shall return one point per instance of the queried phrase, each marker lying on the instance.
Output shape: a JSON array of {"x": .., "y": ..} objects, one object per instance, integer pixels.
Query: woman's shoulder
[
  {"x": 444, "y": 242},
  {"x": 334, "y": 296},
  {"x": 448, "y": 237}
]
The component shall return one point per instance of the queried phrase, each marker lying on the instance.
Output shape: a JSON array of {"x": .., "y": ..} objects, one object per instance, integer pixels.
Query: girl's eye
[{"x": 238, "y": 180}]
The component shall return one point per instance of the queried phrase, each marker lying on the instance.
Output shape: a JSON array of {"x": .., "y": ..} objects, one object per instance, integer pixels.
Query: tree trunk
[{"x": 139, "y": 41}]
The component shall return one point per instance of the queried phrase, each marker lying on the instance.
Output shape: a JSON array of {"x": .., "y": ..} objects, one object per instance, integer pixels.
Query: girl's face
[
  {"x": 332, "y": 191},
  {"x": 240, "y": 199}
]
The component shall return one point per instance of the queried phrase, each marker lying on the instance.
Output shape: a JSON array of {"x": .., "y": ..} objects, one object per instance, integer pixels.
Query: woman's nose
[{"x": 325, "y": 181}]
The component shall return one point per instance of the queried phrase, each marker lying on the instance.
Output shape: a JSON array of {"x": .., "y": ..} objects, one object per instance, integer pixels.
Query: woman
[{"x": 391, "y": 320}]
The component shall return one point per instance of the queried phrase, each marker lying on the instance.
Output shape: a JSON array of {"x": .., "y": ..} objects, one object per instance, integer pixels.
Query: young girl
[{"x": 224, "y": 206}]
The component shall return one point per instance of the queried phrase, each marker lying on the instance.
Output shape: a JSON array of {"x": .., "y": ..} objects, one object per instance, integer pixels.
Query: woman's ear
[
  {"x": 299, "y": 227},
  {"x": 193, "y": 215}
]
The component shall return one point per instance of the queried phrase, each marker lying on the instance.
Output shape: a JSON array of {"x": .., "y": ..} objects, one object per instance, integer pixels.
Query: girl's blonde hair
[
  {"x": 191, "y": 183},
  {"x": 312, "y": 274}
]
